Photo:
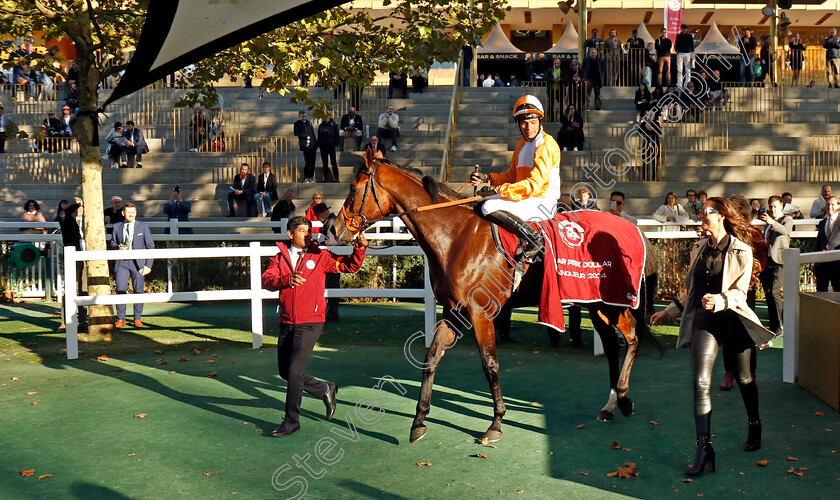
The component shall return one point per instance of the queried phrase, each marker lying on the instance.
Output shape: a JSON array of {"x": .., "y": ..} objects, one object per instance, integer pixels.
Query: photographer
[{"x": 176, "y": 208}]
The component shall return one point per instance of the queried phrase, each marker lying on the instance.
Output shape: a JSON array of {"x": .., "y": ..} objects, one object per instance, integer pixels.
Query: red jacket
[{"x": 306, "y": 303}]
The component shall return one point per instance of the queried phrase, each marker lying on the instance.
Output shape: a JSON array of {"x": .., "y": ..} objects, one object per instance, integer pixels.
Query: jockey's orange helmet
[{"x": 528, "y": 107}]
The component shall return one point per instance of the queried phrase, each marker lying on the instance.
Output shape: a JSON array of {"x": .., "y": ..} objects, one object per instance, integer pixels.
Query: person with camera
[
  {"x": 177, "y": 208},
  {"x": 777, "y": 236},
  {"x": 828, "y": 238},
  {"x": 715, "y": 313}
]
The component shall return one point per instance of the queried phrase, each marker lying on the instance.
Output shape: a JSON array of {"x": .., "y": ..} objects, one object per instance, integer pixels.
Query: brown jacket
[{"x": 737, "y": 270}]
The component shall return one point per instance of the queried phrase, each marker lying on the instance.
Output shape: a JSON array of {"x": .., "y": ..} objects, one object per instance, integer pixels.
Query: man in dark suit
[
  {"x": 49, "y": 128},
  {"x": 828, "y": 238},
  {"x": 135, "y": 145},
  {"x": 376, "y": 147},
  {"x": 777, "y": 235},
  {"x": 131, "y": 235},
  {"x": 72, "y": 236},
  {"x": 305, "y": 133},
  {"x": 351, "y": 126},
  {"x": 594, "y": 71},
  {"x": 243, "y": 188},
  {"x": 266, "y": 190}
]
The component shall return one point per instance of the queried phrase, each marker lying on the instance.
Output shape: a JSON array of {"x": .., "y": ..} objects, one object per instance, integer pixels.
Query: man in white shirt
[
  {"x": 818, "y": 207},
  {"x": 389, "y": 126},
  {"x": 617, "y": 206},
  {"x": 488, "y": 82}
]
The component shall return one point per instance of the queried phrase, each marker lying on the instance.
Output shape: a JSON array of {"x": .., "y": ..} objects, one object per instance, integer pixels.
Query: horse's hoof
[
  {"x": 604, "y": 416},
  {"x": 626, "y": 406},
  {"x": 491, "y": 436},
  {"x": 417, "y": 433}
]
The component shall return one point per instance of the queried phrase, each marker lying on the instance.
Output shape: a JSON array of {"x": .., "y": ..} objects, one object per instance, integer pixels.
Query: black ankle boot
[
  {"x": 705, "y": 457},
  {"x": 533, "y": 238},
  {"x": 754, "y": 436}
]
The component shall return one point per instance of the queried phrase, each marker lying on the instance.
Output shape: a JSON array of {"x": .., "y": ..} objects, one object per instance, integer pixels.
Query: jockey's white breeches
[{"x": 529, "y": 209}]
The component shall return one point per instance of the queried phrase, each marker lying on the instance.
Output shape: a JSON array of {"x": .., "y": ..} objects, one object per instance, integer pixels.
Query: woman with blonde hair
[{"x": 715, "y": 313}]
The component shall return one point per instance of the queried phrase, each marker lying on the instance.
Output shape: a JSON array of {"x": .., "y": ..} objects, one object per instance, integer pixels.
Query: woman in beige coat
[{"x": 714, "y": 312}]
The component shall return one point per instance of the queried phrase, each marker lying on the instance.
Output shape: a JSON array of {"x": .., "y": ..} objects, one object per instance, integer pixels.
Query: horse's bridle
[{"x": 350, "y": 220}]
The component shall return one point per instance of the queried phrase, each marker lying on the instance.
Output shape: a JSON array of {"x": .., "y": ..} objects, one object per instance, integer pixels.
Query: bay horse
[{"x": 456, "y": 242}]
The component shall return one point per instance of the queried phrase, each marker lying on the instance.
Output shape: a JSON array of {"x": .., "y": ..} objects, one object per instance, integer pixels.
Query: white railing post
[
  {"x": 71, "y": 320},
  {"x": 256, "y": 295},
  {"x": 429, "y": 301},
  {"x": 790, "y": 287}
]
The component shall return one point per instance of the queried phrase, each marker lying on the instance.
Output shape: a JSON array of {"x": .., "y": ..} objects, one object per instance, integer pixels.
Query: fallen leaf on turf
[
  {"x": 102, "y": 358},
  {"x": 2, "y": 385},
  {"x": 581, "y": 426},
  {"x": 234, "y": 492},
  {"x": 819, "y": 414},
  {"x": 212, "y": 374},
  {"x": 687, "y": 481},
  {"x": 612, "y": 474},
  {"x": 584, "y": 473},
  {"x": 15, "y": 379},
  {"x": 158, "y": 352},
  {"x": 194, "y": 351},
  {"x": 209, "y": 362},
  {"x": 44, "y": 476},
  {"x": 31, "y": 393},
  {"x": 792, "y": 459},
  {"x": 172, "y": 372},
  {"x": 520, "y": 491},
  {"x": 616, "y": 446},
  {"x": 215, "y": 355},
  {"x": 244, "y": 423},
  {"x": 206, "y": 473},
  {"x": 483, "y": 441},
  {"x": 183, "y": 358},
  {"x": 628, "y": 471},
  {"x": 488, "y": 445},
  {"x": 35, "y": 403},
  {"x": 763, "y": 463},
  {"x": 654, "y": 422},
  {"x": 141, "y": 415},
  {"x": 130, "y": 454},
  {"x": 27, "y": 472},
  {"x": 162, "y": 361},
  {"x": 480, "y": 455},
  {"x": 421, "y": 464}
]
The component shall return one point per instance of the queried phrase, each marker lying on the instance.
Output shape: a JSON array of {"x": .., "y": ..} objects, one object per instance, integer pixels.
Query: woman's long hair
[{"x": 733, "y": 222}]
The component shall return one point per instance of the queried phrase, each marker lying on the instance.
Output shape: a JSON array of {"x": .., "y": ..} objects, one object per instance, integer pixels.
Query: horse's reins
[{"x": 370, "y": 187}]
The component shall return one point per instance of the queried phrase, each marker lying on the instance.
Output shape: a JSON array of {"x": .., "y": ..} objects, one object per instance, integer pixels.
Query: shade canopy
[
  {"x": 644, "y": 34},
  {"x": 715, "y": 43},
  {"x": 178, "y": 33},
  {"x": 568, "y": 43},
  {"x": 497, "y": 43}
]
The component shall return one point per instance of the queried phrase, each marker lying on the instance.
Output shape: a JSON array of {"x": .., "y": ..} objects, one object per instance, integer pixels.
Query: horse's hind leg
[
  {"x": 485, "y": 336},
  {"x": 610, "y": 343},
  {"x": 444, "y": 339}
]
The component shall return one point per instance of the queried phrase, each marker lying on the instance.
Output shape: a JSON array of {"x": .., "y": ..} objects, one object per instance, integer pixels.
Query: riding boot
[
  {"x": 705, "y": 458},
  {"x": 533, "y": 238},
  {"x": 753, "y": 436},
  {"x": 749, "y": 393}
]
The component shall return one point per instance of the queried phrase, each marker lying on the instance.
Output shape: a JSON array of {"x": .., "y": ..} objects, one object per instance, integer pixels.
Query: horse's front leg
[
  {"x": 627, "y": 326},
  {"x": 485, "y": 336},
  {"x": 610, "y": 343},
  {"x": 444, "y": 339}
]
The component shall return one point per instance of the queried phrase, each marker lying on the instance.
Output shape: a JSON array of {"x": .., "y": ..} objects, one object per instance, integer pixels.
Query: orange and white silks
[{"x": 531, "y": 187}]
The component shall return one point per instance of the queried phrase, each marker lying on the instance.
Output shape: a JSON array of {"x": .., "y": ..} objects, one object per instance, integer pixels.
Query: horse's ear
[
  {"x": 431, "y": 187},
  {"x": 369, "y": 158}
]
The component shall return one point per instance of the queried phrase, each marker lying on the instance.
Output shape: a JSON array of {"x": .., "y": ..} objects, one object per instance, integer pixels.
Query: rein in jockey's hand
[{"x": 477, "y": 178}]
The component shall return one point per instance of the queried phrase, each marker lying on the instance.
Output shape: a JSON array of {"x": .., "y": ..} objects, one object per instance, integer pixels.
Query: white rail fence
[
  {"x": 255, "y": 293},
  {"x": 792, "y": 260}
]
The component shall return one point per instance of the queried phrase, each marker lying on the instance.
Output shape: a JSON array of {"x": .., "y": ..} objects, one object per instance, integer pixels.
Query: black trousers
[
  {"x": 2, "y": 142},
  {"x": 294, "y": 349},
  {"x": 771, "y": 280},
  {"x": 827, "y": 272},
  {"x": 328, "y": 152},
  {"x": 250, "y": 203},
  {"x": 308, "y": 163}
]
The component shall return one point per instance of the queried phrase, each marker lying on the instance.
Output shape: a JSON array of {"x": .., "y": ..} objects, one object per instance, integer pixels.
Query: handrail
[{"x": 454, "y": 104}]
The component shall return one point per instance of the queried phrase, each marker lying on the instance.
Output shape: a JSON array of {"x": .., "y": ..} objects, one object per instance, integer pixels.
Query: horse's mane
[{"x": 432, "y": 186}]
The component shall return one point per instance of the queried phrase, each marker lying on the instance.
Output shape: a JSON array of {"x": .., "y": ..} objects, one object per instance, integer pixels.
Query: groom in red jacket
[{"x": 298, "y": 271}]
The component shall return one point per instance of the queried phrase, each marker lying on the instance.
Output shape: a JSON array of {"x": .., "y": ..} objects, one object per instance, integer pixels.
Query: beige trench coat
[{"x": 737, "y": 270}]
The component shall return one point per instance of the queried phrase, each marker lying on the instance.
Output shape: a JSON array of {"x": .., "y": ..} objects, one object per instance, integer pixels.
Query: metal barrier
[
  {"x": 281, "y": 152},
  {"x": 811, "y": 66},
  {"x": 754, "y": 103},
  {"x": 696, "y": 129},
  {"x": 369, "y": 101},
  {"x": 792, "y": 260},
  {"x": 826, "y": 166},
  {"x": 256, "y": 294},
  {"x": 217, "y": 131},
  {"x": 452, "y": 123},
  {"x": 38, "y": 168}
]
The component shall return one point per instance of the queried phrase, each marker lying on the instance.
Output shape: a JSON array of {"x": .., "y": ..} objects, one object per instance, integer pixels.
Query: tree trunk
[{"x": 86, "y": 130}]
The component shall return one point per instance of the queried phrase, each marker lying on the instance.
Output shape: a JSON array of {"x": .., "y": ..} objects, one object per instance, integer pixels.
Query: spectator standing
[
  {"x": 327, "y": 138},
  {"x": 266, "y": 190},
  {"x": 828, "y": 238},
  {"x": 60, "y": 211},
  {"x": 177, "y": 208},
  {"x": 198, "y": 131},
  {"x": 71, "y": 87},
  {"x": 72, "y": 235},
  {"x": 642, "y": 100},
  {"x": 663, "y": 46},
  {"x": 114, "y": 213},
  {"x": 575, "y": 85},
  {"x": 66, "y": 121},
  {"x": 684, "y": 46},
  {"x": 594, "y": 71},
  {"x": 649, "y": 57},
  {"x": 593, "y": 42},
  {"x": 612, "y": 54},
  {"x": 748, "y": 45},
  {"x": 243, "y": 187},
  {"x": 818, "y": 208},
  {"x": 766, "y": 58},
  {"x": 777, "y": 236},
  {"x": 514, "y": 81},
  {"x": 570, "y": 135},
  {"x": 635, "y": 42},
  {"x": 832, "y": 58},
  {"x": 131, "y": 235},
  {"x": 796, "y": 57},
  {"x": 399, "y": 82},
  {"x": 32, "y": 213},
  {"x": 135, "y": 144},
  {"x": 6, "y": 124},
  {"x": 755, "y": 208},
  {"x": 305, "y": 133},
  {"x": 284, "y": 209},
  {"x": 692, "y": 206},
  {"x": 488, "y": 82},
  {"x": 497, "y": 81},
  {"x": 555, "y": 76},
  {"x": 671, "y": 211},
  {"x": 389, "y": 126},
  {"x": 351, "y": 126},
  {"x": 298, "y": 272}
]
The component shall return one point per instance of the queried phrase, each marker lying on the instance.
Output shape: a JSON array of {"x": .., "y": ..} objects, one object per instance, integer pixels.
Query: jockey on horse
[{"x": 530, "y": 189}]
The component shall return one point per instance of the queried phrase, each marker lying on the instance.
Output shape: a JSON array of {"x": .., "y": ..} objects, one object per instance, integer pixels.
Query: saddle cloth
[{"x": 590, "y": 256}]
